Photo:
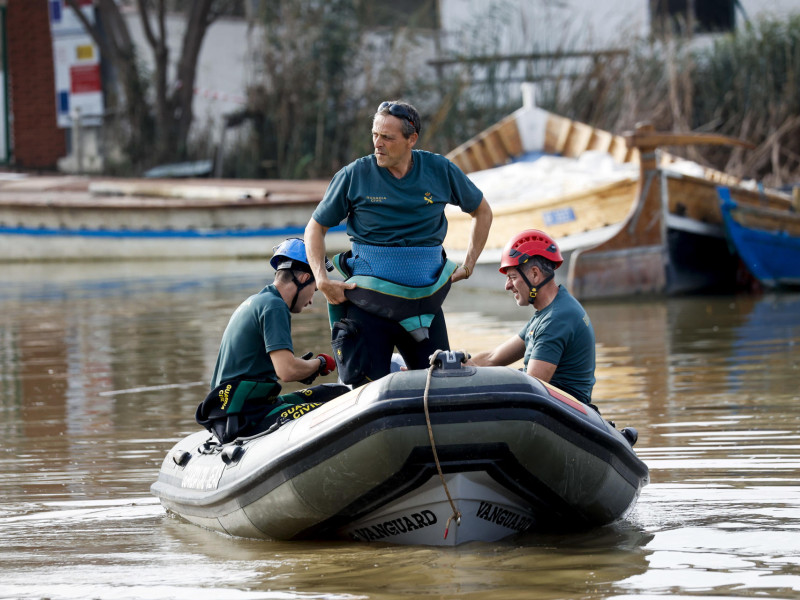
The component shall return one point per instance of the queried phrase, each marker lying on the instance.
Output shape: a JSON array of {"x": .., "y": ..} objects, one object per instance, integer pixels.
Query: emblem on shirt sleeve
[{"x": 428, "y": 197}]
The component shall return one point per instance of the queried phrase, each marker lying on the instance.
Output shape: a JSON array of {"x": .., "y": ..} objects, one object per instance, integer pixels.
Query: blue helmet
[{"x": 291, "y": 254}]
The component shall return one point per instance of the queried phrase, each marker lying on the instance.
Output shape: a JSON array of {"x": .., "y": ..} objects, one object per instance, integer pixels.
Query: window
[
  {"x": 686, "y": 17},
  {"x": 411, "y": 13}
]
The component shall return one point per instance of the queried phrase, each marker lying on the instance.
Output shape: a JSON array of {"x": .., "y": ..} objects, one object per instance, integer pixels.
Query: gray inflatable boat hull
[{"x": 517, "y": 455}]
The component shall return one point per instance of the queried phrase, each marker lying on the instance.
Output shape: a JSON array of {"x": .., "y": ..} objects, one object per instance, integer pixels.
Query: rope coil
[{"x": 456, "y": 513}]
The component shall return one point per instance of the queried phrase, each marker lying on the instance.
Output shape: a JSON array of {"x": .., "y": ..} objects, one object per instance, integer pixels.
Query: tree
[{"x": 156, "y": 108}]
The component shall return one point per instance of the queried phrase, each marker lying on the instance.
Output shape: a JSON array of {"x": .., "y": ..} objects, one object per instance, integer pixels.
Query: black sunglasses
[{"x": 399, "y": 111}]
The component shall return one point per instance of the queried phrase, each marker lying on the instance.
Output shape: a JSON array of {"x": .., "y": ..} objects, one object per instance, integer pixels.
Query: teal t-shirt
[
  {"x": 260, "y": 325},
  {"x": 382, "y": 210},
  {"x": 562, "y": 334}
]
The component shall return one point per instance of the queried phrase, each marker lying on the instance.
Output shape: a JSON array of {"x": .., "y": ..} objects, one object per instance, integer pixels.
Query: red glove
[{"x": 327, "y": 364}]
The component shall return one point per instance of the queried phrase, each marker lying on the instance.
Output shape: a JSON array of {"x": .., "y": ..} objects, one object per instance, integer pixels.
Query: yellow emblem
[{"x": 428, "y": 197}]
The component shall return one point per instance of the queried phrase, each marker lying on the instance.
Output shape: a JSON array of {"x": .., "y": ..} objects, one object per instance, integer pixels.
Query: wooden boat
[
  {"x": 77, "y": 218},
  {"x": 578, "y": 213},
  {"x": 766, "y": 239},
  {"x": 440, "y": 457},
  {"x": 659, "y": 231}
]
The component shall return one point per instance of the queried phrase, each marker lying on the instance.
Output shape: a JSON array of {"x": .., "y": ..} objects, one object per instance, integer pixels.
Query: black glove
[{"x": 310, "y": 379}]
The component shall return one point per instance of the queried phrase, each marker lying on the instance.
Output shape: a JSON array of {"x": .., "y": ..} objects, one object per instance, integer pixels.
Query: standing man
[
  {"x": 396, "y": 274},
  {"x": 558, "y": 342},
  {"x": 256, "y": 351}
]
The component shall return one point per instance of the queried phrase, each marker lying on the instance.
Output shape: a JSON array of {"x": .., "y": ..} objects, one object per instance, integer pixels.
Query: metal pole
[{"x": 77, "y": 141}]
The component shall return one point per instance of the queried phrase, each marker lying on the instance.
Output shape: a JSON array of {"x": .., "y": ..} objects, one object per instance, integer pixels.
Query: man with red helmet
[{"x": 557, "y": 344}]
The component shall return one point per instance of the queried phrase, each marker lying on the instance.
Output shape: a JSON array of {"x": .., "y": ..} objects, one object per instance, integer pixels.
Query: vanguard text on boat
[{"x": 514, "y": 455}]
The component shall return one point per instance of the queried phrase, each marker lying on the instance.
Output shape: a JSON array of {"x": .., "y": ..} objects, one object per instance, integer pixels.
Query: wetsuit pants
[{"x": 379, "y": 337}]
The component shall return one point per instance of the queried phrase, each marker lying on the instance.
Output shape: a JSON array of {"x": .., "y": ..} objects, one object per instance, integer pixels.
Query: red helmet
[{"x": 525, "y": 244}]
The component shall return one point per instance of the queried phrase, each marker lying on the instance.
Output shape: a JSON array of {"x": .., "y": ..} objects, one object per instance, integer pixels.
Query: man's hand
[
  {"x": 334, "y": 290},
  {"x": 462, "y": 272},
  {"x": 327, "y": 364}
]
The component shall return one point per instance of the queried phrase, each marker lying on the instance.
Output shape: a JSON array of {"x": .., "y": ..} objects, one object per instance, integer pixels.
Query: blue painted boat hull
[{"x": 771, "y": 255}]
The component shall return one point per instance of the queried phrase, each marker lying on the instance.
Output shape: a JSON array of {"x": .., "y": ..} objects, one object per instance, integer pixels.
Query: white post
[
  {"x": 528, "y": 95},
  {"x": 77, "y": 141}
]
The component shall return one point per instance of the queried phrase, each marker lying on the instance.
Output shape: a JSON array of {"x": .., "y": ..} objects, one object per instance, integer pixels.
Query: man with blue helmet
[{"x": 256, "y": 352}]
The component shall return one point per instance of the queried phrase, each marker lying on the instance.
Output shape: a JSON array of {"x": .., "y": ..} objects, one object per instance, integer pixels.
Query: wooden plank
[
  {"x": 477, "y": 158},
  {"x": 601, "y": 141},
  {"x": 556, "y": 134},
  {"x": 461, "y": 162},
  {"x": 493, "y": 145},
  {"x": 590, "y": 209},
  {"x": 619, "y": 150},
  {"x": 508, "y": 132},
  {"x": 577, "y": 141}
]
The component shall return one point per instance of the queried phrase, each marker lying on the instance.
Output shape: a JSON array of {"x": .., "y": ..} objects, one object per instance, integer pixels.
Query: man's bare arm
[
  {"x": 481, "y": 223},
  {"x": 315, "y": 251},
  {"x": 506, "y": 353},
  {"x": 541, "y": 369}
]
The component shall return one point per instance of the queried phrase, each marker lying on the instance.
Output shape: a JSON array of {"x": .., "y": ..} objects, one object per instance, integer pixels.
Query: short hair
[
  {"x": 545, "y": 265},
  {"x": 286, "y": 275},
  {"x": 409, "y": 126}
]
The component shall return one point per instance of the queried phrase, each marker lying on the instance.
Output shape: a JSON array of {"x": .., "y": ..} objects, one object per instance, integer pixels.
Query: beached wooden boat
[
  {"x": 657, "y": 230},
  {"x": 77, "y": 218},
  {"x": 766, "y": 239},
  {"x": 394, "y": 460}
]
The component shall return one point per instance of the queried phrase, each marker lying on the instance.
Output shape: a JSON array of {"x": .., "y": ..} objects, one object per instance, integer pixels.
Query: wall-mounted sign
[{"x": 76, "y": 60}]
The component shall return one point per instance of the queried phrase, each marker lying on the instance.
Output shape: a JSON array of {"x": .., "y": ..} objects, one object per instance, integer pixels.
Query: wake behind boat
[{"x": 440, "y": 457}]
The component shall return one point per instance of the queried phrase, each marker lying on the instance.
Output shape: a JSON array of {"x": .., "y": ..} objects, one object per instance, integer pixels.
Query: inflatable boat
[{"x": 442, "y": 456}]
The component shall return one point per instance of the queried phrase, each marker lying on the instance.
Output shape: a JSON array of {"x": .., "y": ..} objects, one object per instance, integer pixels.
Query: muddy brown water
[{"x": 102, "y": 366}]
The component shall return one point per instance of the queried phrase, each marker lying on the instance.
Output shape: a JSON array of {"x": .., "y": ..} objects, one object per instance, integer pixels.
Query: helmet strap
[
  {"x": 299, "y": 286},
  {"x": 533, "y": 289}
]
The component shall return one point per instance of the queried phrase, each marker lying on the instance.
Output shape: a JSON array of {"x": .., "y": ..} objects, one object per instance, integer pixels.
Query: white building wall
[
  {"x": 224, "y": 67},
  {"x": 545, "y": 25},
  {"x": 549, "y": 25}
]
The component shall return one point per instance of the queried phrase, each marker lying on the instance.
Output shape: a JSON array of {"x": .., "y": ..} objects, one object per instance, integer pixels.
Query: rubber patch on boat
[
  {"x": 565, "y": 398},
  {"x": 335, "y": 406}
]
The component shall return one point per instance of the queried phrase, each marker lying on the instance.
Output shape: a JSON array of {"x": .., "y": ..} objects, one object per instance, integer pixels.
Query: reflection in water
[{"x": 101, "y": 371}]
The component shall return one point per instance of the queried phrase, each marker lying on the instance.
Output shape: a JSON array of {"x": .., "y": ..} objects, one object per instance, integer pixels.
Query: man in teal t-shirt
[
  {"x": 393, "y": 202},
  {"x": 557, "y": 344},
  {"x": 256, "y": 352}
]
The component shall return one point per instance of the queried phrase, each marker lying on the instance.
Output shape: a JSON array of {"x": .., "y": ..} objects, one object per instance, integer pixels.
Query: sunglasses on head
[{"x": 399, "y": 111}]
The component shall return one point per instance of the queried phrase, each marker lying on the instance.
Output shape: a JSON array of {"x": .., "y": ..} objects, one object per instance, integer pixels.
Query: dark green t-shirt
[
  {"x": 562, "y": 334},
  {"x": 382, "y": 210},
  {"x": 260, "y": 325}
]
